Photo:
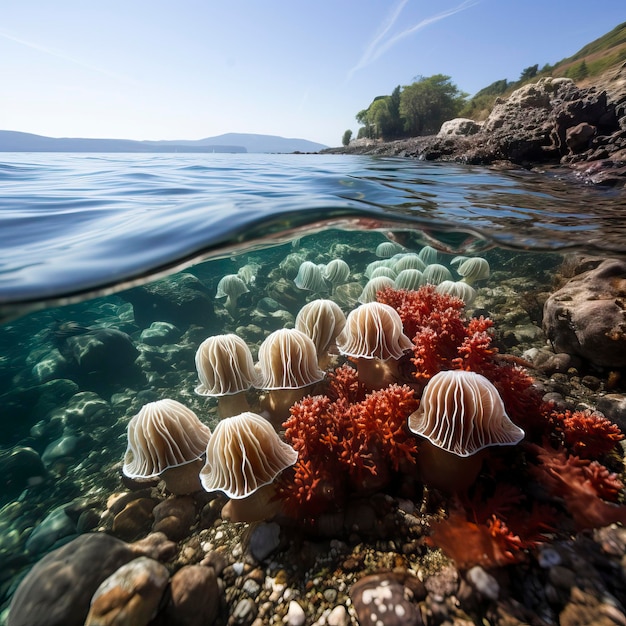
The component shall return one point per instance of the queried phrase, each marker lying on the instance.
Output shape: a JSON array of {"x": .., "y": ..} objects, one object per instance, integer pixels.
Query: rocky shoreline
[{"x": 551, "y": 123}]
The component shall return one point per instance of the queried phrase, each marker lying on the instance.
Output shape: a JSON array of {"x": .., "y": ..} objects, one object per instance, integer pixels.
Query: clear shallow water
[
  {"x": 86, "y": 225},
  {"x": 71, "y": 224}
]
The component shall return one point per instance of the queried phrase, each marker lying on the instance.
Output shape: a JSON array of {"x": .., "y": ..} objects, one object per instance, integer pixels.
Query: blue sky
[{"x": 158, "y": 69}]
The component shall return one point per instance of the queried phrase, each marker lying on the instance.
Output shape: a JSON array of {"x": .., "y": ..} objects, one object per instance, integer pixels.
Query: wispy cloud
[
  {"x": 380, "y": 44},
  {"x": 64, "y": 57}
]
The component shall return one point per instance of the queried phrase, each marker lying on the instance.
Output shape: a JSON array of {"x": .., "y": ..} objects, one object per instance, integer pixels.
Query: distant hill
[{"x": 13, "y": 141}]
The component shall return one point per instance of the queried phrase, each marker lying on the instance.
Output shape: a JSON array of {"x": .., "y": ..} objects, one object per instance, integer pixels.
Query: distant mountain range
[{"x": 13, "y": 141}]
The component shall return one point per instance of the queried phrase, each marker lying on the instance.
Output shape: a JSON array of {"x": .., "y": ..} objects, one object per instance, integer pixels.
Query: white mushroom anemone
[
  {"x": 336, "y": 272},
  {"x": 460, "y": 415},
  {"x": 373, "y": 335},
  {"x": 409, "y": 261},
  {"x": 321, "y": 320},
  {"x": 166, "y": 439},
  {"x": 373, "y": 286},
  {"x": 310, "y": 277},
  {"x": 288, "y": 368},
  {"x": 435, "y": 274},
  {"x": 387, "y": 249},
  {"x": 231, "y": 287},
  {"x": 428, "y": 255},
  {"x": 409, "y": 279},
  {"x": 458, "y": 289},
  {"x": 226, "y": 371},
  {"x": 245, "y": 455},
  {"x": 474, "y": 269}
]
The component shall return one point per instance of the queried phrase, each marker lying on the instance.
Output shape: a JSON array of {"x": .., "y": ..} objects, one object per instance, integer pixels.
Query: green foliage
[
  {"x": 496, "y": 88},
  {"x": 529, "y": 72},
  {"x": 428, "y": 102},
  {"x": 382, "y": 117},
  {"x": 347, "y": 136},
  {"x": 578, "y": 71}
]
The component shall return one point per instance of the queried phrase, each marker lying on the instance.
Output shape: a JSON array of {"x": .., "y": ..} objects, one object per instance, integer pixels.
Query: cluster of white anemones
[{"x": 245, "y": 452}]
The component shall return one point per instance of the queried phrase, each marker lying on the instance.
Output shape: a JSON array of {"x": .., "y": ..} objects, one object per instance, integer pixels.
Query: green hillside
[{"x": 602, "y": 55}]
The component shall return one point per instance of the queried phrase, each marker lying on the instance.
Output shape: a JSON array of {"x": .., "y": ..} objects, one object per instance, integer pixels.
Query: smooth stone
[
  {"x": 195, "y": 597},
  {"x": 52, "y": 366},
  {"x": 339, "y": 616},
  {"x": 67, "y": 447},
  {"x": 130, "y": 596},
  {"x": 174, "y": 517},
  {"x": 19, "y": 468},
  {"x": 380, "y": 599},
  {"x": 484, "y": 583},
  {"x": 134, "y": 519},
  {"x": 265, "y": 538},
  {"x": 56, "y": 525},
  {"x": 295, "y": 614},
  {"x": 58, "y": 589},
  {"x": 160, "y": 334}
]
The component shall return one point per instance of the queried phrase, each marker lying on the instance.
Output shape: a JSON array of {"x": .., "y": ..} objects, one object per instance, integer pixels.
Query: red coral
[
  {"x": 343, "y": 446},
  {"x": 583, "y": 486},
  {"x": 587, "y": 434},
  {"x": 343, "y": 382}
]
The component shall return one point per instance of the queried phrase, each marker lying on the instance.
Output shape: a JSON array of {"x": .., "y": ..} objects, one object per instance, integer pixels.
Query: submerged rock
[
  {"x": 20, "y": 467},
  {"x": 58, "y": 589},
  {"x": 181, "y": 299},
  {"x": 195, "y": 597},
  {"x": 587, "y": 316},
  {"x": 131, "y": 595}
]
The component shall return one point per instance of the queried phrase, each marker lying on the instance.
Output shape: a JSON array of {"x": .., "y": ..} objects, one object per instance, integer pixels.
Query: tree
[
  {"x": 429, "y": 102},
  {"x": 578, "y": 72},
  {"x": 345, "y": 140},
  {"x": 529, "y": 72}
]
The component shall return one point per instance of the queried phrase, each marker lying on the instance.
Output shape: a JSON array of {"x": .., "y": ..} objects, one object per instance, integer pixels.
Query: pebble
[
  {"x": 484, "y": 583},
  {"x": 339, "y": 616},
  {"x": 244, "y": 612},
  {"x": 265, "y": 538},
  {"x": 55, "y": 526},
  {"x": 548, "y": 557},
  {"x": 295, "y": 615}
]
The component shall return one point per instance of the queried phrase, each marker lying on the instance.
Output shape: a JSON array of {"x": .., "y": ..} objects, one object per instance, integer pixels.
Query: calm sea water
[
  {"x": 77, "y": 230},
  {"x": 75, "y": 223}
]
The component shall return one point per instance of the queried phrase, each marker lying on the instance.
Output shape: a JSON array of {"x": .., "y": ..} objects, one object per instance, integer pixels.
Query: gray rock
[
  {"x": 587, "y": 316},
  {"x": 56, "y": 525},
  {"x": 181, "y": 299},
  {"x": 68, "y": 447},
  {"x": 459, "y": 126},
  {"x": 58, "y": 589},
  {"x": 160, "y": 334},
  {"x": 19, "y": 468},
  {"x": 265, "y": 538}
]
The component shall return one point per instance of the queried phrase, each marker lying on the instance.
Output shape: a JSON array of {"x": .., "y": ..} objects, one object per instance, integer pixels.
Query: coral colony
[
  {"x": 355, "y": 440},
  {"x": 419, "y": 403}
]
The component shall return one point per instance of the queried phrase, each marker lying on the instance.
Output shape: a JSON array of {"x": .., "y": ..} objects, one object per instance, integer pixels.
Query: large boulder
[
  {"x": 587, "y": 316},
  {"x": 58, "y": 589},
  {"x": 181, "y": 299},
  {"x": 459, "y": 126}
]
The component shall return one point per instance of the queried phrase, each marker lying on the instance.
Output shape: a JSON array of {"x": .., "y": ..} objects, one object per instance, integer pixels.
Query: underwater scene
[{"x": 388, "y": 414}]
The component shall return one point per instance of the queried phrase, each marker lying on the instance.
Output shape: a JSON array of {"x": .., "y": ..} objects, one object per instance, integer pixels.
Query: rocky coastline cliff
[{"x": 550, "y": 123}]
